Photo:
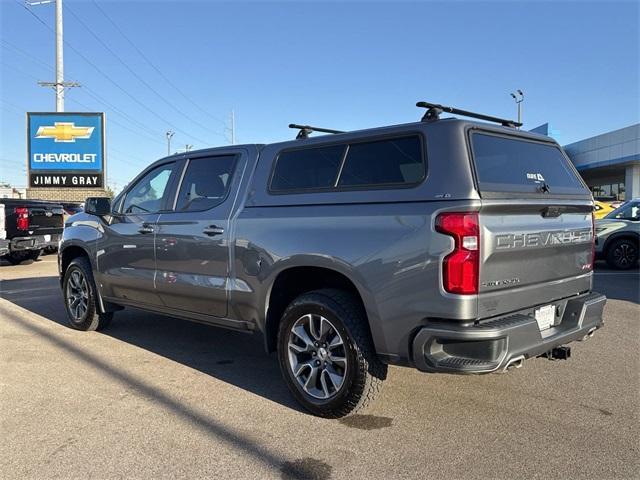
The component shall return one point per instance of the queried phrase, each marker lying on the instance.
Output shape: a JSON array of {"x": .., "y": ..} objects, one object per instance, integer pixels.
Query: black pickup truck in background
[{"x": 27, "y": 227}]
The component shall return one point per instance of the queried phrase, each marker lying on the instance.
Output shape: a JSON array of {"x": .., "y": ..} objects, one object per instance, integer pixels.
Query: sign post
[{"x": 66, "y": 150}]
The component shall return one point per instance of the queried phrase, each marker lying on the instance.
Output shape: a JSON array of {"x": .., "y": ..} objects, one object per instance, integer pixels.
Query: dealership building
[{"x": 610, "y": 163}]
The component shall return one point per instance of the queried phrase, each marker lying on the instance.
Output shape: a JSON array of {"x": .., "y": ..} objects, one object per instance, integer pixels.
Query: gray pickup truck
[{"x": 446, "y": 245}]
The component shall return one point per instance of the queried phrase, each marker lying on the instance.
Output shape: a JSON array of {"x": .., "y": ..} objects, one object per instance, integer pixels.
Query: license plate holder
[{"x": 545, "y": 316}]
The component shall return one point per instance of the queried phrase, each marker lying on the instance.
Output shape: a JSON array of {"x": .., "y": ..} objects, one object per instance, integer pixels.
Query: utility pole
[
  {"x": 59, "y": 85},
  {"x": 187, "y": 147},
  {"x": 170, "y": 134},
  {"x": 59, "y": 59},
  {"x": 518, "y": 97}
]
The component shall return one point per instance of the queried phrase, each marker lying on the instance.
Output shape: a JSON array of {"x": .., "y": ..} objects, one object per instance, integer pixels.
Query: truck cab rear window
[
  {"x": 513, "y": 165},
  {"x": 390, "y": 162}
]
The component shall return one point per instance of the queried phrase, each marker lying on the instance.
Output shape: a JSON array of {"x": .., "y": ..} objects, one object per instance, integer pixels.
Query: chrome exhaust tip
[
  {"x": 589, "y": 334},
  {"x": 516, "y": 362}
]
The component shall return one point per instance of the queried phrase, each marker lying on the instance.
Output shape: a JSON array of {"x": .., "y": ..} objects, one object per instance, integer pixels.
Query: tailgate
[
  {"x": 533, "y": 253},
  {"x": 536, "y": 223},
  {"x": 46, "y": 219}
]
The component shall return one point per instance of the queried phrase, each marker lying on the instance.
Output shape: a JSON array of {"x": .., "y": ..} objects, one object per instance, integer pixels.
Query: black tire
[
  {"x": 82, "y": 318},
  {"x": 16, "y": 258},
  {"x": 622, "y": 254},
  {"x": 363, "y": 372}
]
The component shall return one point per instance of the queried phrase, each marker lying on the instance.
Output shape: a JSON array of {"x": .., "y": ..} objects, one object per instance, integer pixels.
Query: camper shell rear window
[{"x": 519, "y": 165}]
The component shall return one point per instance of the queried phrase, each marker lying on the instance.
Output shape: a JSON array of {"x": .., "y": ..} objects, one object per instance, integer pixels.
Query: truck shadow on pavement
[{"x": 234, "y": 357}]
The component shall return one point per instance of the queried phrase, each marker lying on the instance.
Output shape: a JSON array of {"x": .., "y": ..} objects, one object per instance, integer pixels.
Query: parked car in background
[
  {"x": 601, "y": 209},
  {"x": 69, "y": 209},
  {"x": 27, "y": 227},
  {"x": 446, "y": 245},
  {"x": 618, "y": 236}
]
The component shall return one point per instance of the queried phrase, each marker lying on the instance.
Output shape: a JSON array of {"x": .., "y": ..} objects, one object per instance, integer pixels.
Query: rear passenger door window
[{"x": 205, "y": 183}]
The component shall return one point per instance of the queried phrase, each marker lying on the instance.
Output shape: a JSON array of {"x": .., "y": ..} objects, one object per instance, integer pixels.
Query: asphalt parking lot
[{"x": 155, "y": 397}]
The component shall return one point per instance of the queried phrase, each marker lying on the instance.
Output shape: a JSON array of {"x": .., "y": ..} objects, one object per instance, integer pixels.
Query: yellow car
[{"x": 602, "y": 208}]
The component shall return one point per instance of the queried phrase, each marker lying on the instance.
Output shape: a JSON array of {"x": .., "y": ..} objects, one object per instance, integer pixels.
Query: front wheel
[
  {"x": 623, "y": 254},
  {"x": 326, "y": 354},
  {"x": 80, "y": 297}
]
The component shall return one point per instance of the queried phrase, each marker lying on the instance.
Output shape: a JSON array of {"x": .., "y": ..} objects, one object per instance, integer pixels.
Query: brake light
[
  {"x": 461, "y": 267},
  {"x": 23, "y": 218}
]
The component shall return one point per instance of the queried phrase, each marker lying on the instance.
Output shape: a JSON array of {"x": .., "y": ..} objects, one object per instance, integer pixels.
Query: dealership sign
[{"x": 66, "y": 150}]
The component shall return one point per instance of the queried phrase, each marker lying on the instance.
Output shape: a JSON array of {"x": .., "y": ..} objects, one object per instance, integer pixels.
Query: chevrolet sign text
[{"x": 542, "y": 239}]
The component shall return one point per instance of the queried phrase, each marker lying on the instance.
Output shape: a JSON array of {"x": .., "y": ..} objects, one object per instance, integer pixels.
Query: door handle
[
  {"x": 213, "y": 230},
  {"x": 146, "y": 228}
]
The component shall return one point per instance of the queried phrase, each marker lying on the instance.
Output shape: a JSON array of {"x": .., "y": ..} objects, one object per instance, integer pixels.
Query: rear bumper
[
  {"x": 34, "y": 242},
  {"x": 493, "y": 345},
  {"x": 4, "y": 247}
]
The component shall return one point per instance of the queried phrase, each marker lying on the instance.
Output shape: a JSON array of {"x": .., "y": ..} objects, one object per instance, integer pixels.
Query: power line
[
  {"x": 112, "y": 120},
  {"x": 152, "y": 65},
  {"x": 135, "y": 74},
  {"x": 151, "y": 136},
  {"x": 113, "y": 82},
  {"x": 88, "y": 91},
  {"x": 36, "y": 60}
]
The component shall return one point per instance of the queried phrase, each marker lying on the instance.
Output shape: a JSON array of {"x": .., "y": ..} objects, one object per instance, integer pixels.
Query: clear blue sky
[{"x": 344, "y": 65}]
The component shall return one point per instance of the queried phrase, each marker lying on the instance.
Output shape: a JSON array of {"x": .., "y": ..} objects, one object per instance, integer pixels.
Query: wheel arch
[
  {"x": 295, "y": 280},
  {"x": 68, "y": 254}
]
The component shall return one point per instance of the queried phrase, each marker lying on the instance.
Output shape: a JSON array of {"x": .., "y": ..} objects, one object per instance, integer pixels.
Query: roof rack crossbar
[
  {"x": 434, "y": 110},
  {"x": 305, "y": 130}
]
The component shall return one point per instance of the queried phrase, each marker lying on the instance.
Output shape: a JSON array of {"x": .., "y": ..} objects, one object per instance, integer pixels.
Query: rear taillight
[
  {"x": 23, "y": 218},
  {"x": 461, "y": 267}
]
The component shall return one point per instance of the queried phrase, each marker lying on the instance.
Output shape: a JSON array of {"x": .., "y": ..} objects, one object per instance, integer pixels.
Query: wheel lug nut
[
  {"x": 313, "y": 353},
  {"x": 317, "y": 362}
]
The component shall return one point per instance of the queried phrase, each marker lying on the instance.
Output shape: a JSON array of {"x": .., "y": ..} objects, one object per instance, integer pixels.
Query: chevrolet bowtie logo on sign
[
  {"x": 66, "y": 150},
  {"x": 64, "y": 132}
]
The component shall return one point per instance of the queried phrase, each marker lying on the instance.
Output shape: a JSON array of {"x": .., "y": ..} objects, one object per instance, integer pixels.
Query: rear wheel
[
  {"x": 326, "y": 354},
  {"x": 623, "y": 254},
  {"x": 81, "y": 299}
]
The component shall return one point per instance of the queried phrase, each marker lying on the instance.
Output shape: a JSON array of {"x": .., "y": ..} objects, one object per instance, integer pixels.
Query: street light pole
[
  {"x": 518, "y": 97},
  {"x": 170, "y": 134}
]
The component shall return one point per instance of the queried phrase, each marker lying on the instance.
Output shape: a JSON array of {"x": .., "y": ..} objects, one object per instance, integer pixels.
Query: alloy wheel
[
  {"x": 624, "y": 254},
  {"x": 317, "y": 356},
  {"x": 77, "y": 295}
]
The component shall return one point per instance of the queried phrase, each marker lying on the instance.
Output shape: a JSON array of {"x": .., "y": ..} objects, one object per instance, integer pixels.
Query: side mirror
[{"x": 99, "y": 206}]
